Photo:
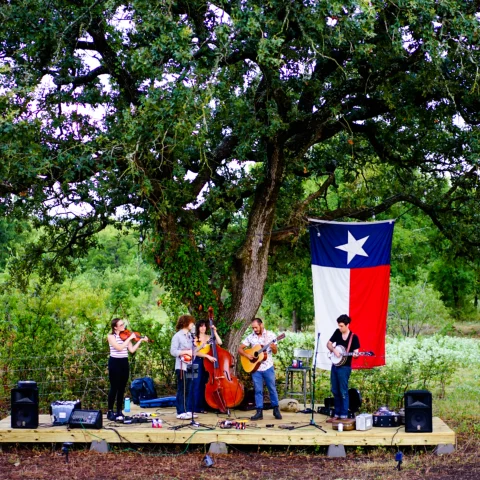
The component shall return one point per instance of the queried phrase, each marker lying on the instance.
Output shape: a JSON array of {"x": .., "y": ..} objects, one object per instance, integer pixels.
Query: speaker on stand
[
  {"x": 418, "y": 411},
  {"x": 24, "y": 404}
]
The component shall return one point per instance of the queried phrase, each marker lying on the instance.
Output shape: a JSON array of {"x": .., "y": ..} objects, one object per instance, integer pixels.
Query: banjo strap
[{"x": 350, "y": 341}]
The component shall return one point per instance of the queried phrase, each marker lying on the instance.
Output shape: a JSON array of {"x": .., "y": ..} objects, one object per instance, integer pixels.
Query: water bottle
[{"x": 127, "y": 405}]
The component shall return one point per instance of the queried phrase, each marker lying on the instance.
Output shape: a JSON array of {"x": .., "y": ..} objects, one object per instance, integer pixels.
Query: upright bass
[{"x": 223, "y": 389}]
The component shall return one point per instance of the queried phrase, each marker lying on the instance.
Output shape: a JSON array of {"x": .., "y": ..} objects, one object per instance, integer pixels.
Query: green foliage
[
  {"x": 412, "y": 250},
  {"x": 12, "y": 234},
  {"x": 415, "y": 309},
  {"x": 455, "y": 280},
  {"x": 292, "y": 296},
  {"x": 55, "y": 334},
  {"x": 114, "y": 249},
  {"x": 345, "y": 110}
]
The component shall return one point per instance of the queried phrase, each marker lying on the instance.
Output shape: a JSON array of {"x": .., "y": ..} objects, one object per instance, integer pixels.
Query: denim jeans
[
  {"x": 339, "y": 377},
  {"x": 268, "y": 376},
  {"x": 183, "y": 402}
]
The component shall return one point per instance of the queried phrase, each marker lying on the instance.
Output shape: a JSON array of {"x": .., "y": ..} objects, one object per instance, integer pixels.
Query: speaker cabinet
[
  {"x": 24, "y": 406},
  {"x": 418, "y": 411}
]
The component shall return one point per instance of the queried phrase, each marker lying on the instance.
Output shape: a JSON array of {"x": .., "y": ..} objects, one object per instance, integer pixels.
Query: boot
[
  {"x": 276, "y": 413},
  {"x": 258, "y": 415}
]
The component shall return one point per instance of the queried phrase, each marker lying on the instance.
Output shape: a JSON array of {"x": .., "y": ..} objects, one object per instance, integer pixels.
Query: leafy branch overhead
[{"x": 210, "y": 125}]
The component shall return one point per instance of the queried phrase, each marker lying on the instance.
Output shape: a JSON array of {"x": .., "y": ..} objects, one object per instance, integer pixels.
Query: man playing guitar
[
  {"x": 340, "y": 374},
  {"x": 265, "y": 372}
]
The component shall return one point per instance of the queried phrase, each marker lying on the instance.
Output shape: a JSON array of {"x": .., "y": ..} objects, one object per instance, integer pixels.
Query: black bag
[{"x": 142, "y": 389}]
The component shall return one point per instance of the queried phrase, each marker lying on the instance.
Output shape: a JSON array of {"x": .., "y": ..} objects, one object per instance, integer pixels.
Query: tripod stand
[
  {"x": 312, "y": 421},
  {"x": 191, "y": 373}
]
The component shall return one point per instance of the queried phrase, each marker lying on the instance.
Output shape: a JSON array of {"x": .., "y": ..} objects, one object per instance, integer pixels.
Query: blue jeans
[
  {"x": 184, "y": 384},
  {"x": 339, "y": 377},
  {"x": 268, "y": 376}
]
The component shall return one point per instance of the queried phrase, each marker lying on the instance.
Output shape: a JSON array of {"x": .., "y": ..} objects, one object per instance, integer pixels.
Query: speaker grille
[
  {"x": 418, "y": 411},
  {"x": 24, "y": 416}
]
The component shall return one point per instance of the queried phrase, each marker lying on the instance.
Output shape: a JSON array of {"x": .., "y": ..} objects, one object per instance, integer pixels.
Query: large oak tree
[{"x": 217, "y": 127}]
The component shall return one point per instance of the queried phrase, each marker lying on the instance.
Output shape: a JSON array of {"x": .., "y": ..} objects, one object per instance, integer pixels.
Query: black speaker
[
  {"x": 24, "y": 402},
  {"x": 329, "y": 402},
  {"x": 418, "y": 411}
]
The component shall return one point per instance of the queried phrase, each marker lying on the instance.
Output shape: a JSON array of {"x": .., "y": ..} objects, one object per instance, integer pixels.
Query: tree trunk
[
  {"x": 295, "y": 325},
  {"x": 251, "y": 263}
]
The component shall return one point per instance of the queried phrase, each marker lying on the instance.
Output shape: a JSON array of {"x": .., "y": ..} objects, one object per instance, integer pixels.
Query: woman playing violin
[
  {"x": 198, "y": 384},
  {"x": 118, "y": 367}
]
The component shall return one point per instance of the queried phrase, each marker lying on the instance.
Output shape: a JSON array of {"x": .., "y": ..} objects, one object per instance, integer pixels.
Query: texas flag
[{"x": 351, "y": 275}]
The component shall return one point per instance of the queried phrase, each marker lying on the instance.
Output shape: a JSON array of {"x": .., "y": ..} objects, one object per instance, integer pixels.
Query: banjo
[{"x": 339, "y": 361}]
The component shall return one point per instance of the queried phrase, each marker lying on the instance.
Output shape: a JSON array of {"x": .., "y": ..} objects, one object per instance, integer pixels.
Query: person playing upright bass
[{"x": 265, "y": 372}]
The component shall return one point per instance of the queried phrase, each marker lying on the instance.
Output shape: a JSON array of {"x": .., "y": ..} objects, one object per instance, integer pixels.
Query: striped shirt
[{"x": 114, "y": 353}]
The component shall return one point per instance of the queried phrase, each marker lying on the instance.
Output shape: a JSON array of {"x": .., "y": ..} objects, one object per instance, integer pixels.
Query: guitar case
[{"x": 348, "y": 424}]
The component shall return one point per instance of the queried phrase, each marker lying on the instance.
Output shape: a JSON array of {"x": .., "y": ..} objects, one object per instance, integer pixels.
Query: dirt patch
[
  {"x": 467, "y": 329},
  {"x": 38, "y": 463}
]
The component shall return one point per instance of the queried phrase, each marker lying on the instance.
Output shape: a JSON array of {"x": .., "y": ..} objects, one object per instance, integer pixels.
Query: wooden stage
[{"x": 255, "y": 434}]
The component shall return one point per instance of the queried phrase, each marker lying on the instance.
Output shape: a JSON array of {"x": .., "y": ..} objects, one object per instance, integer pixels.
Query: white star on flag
[{"x": 353, "y": 247}]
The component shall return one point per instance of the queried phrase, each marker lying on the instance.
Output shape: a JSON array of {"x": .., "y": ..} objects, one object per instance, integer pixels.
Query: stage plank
[{"x": 256, "y": 433}]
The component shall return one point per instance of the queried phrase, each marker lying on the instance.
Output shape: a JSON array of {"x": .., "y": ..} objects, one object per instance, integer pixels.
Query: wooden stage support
[{"x": 256, "y": 433}]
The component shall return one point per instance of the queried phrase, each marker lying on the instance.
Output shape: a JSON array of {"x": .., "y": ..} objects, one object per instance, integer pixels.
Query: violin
[
  {"x": 200, "y": 348},
  {"x": 126, "y": 334}
]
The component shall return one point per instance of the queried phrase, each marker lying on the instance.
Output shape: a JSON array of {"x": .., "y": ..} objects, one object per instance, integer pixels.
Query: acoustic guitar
[
  {"x": 259, "y": 354},
  {"x": 339, "y": 361}
]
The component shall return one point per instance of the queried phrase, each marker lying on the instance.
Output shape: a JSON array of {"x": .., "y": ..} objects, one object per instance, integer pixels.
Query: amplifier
[
  {"x": 386, "y": 420},
  {"x": 61, "y": 410},
  {"x": 86, "y": 419}
]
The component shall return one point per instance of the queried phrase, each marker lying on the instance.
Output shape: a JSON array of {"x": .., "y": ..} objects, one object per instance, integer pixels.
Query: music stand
[
  {"x": 312, "y": 421},
  {"x": 190, "y": 373}
]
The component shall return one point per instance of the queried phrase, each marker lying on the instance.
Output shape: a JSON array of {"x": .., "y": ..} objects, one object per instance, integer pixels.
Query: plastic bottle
[{"x": 127, "y": 405}]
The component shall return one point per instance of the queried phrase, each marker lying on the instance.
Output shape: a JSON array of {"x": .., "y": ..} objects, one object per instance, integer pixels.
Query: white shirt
[{"x": 266, "y": 337}]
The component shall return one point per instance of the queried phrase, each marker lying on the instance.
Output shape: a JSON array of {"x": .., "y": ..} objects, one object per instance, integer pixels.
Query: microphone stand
[
  {"x": 312, "y": 421},
  {"x": 190, "y": 364}
]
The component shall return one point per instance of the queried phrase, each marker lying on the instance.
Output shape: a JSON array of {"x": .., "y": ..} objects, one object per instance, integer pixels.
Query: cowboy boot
[
  {"x": 276, "y": 413},
  {"x": 258, "y": 415}
]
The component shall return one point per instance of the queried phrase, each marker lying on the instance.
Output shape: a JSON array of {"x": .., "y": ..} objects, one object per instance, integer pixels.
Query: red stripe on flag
[{"x": 369, "y": 290}]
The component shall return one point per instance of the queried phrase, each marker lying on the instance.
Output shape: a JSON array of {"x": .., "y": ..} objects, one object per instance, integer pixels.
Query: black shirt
[{"x": 337, "y": 338}]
